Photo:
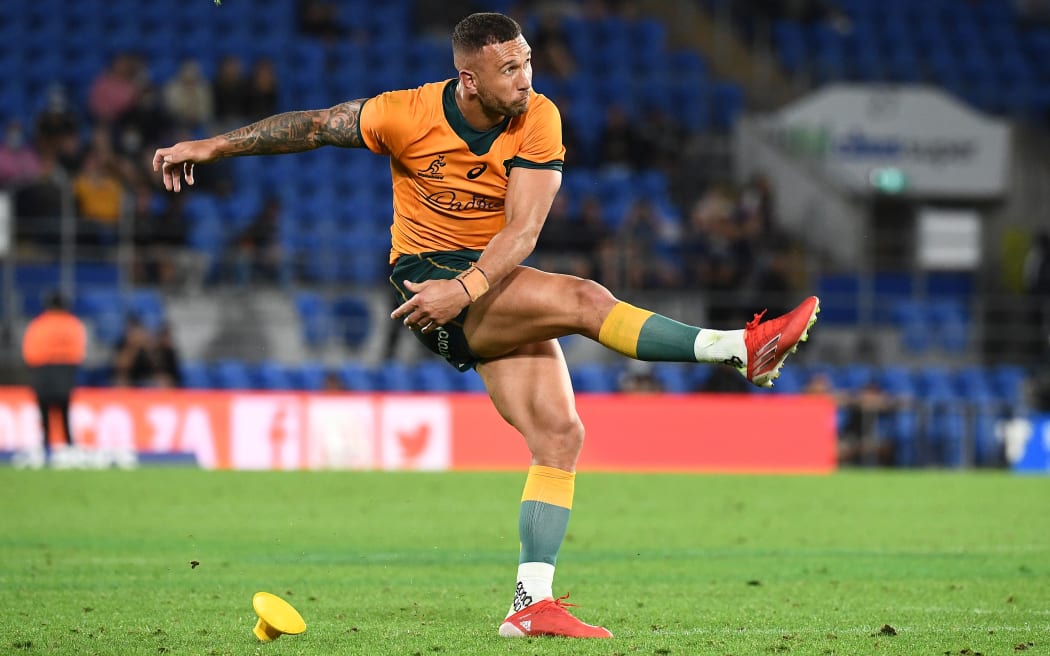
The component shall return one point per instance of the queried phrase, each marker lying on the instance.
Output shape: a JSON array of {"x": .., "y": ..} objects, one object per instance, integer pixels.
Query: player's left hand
[{"x": 435, "y": 302}]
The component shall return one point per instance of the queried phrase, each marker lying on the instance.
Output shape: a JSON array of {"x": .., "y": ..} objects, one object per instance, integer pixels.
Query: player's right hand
[{"x": 176, "y": 162}]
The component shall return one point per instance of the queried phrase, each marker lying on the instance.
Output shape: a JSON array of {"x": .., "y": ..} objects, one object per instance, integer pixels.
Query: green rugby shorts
[{"x": 448, "y": 341}]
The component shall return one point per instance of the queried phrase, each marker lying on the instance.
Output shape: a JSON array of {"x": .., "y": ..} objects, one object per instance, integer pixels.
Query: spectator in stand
[
  {"x": 188, "y": 97},
  {"x": 622, "y": 146},
  {"x": 262, "y": 90},
  {"x": 333, "y": 382},
  {"x": 756, "y": 201},
  {"x": 143, "y": 126},
  {"x": 167, "y": 364},
  {"x": 230, "y": 92},
  {"x": 133, "y": 363},
  {"x": 57, "y": 130},
  {"x": 638, "y": 378},
  {"x": 550, "y": 47},
  {"x": 646, "y": 237},
  {"x": 1036, "y": 281},
  {"x": 711, "y": 253},
  {"x": 160, "y": 232},
  {"x": 576, "y": 151},
  {"x": 258, "y": 253},
  {"x": 54, "y": 347},
  {"x": 569, "y": 242},
  {"x": 99, "y": 196},
  {"x": 38, "y": 207},
  {"x": 773, "y": 281},
  {"x": 320, "y": 19},
  {"x": 860, "y": 440},
  {"x": 116, "y": 89},
  {"x": 19, "y": 161},
  {"x": 662, "y": 139}
]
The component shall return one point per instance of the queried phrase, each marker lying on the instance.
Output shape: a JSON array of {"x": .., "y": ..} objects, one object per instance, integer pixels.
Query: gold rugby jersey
[{"x": 450, "y": 180}]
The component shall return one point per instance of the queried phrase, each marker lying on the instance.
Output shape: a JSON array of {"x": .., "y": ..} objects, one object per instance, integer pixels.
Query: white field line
[{"x": 811, "y": 633}]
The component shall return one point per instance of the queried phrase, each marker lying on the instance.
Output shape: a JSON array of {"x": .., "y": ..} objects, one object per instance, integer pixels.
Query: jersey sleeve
[
  {"x": 542, "y": 146},
  {"x": 386, "y": 120}
]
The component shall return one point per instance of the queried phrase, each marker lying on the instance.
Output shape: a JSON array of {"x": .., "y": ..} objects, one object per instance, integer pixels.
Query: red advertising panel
[{"x": 256, "y": 430}]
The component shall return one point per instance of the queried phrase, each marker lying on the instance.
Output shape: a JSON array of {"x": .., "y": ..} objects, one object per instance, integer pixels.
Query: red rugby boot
[
  {"x": 770, "y": 342},
  {"x": 549, "y": 618}
]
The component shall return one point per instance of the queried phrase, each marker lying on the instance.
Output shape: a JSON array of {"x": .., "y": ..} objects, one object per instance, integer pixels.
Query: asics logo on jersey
[
  {"x": 767, "y": 353},
  {"x": 434, "y": 170},
  {"x": 475, "y": 173}
]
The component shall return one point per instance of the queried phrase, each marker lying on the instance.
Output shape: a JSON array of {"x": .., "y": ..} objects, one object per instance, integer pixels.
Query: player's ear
[{"x": 467, "y": 80}]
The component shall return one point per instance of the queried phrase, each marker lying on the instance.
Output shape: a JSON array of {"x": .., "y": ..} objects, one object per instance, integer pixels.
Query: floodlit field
[{"x": 166, "y": 561}]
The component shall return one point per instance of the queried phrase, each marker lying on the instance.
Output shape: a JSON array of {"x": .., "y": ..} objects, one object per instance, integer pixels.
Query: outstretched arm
[{"x": 290, "y": 132}]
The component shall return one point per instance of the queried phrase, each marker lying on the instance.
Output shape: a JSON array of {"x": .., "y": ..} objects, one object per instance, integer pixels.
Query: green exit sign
[{"x": 888, "y": 180}]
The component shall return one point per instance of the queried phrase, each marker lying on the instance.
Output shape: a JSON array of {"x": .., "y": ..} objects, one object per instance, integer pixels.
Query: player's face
[{"x": 505, "y": 78}]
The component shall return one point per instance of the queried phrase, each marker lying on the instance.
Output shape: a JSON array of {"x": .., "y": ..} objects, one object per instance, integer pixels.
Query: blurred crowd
[
  {"x": 101, "y": 151},
  {"x": 146, "y": 358},
  {"x": 100, "y": 148}
]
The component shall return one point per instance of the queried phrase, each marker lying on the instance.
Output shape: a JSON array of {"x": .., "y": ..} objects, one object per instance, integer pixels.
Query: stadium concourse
[{"x": 271, "y": 272}]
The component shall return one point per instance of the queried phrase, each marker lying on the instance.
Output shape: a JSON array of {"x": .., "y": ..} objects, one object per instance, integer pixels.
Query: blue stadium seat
[
  {"x": 353, "y": 320},
  {"x": 393, "y": 377},
  {"x": 593, "y": 378},
  {"x": 147, "y": 305},
  {"x": 897, "y": 381},
  {"x": 838, "y": 298},
  {"x": 357, "y": 377},
  {"x": 433, "y": 375},
  {"x": 315, "y": 315},
  {"x": 673, "y": 377},
  {"x": 912, "y": 320},
  {"x": 790, "y": 381},
  {"x": 231, "y": 375},
  {"x": 728, "y": 102},
  {"x": 195, "y": 375},
  {"x": 272, "y": 375},
  {"x": 470, "y": 381},
  {"x": 309, "y": 376},
  {"x": 948, "y": 320}
]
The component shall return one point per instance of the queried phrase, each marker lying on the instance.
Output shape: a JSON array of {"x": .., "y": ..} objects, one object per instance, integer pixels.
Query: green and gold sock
[
  {"x": 645, "y": 335},
  {"x": 543, "y": 519}
]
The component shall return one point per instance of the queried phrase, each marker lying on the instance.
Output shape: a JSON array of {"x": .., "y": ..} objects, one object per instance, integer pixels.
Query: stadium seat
[
  {"x": 231, "y": 375},
  {"x": 433, "y": 375},
  {"x": 195, "y": 375},
  {"x": 470, "y": 381},
  {"x": 353, "y": 320},
  {"x": 271, "y": 375},
  {"x": 356, "y": 377},
  {"x": 393, "y": 377},
  {"x": 314, "y": 314},
  {"x": 673, "y": 377},
  {"x": 593, "y": 378},
  {"x": 309, "y": 376}
]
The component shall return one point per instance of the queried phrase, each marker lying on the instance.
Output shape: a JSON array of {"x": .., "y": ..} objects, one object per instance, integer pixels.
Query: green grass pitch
[{"x": 165, "y": 561}]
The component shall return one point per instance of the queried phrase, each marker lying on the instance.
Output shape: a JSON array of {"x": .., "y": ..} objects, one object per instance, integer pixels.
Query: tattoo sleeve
[{"x": 293, "y": 132}]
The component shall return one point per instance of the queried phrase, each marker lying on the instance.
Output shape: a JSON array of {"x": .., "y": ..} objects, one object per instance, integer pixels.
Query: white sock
[
  {"x": 535, "y": 583},
  {"x": 720, "y": 346}
]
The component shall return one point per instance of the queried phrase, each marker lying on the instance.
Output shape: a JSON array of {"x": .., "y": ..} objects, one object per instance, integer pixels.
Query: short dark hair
[
  {"x": 479, "y": 30},
  {"x": 55, "y": 301}
]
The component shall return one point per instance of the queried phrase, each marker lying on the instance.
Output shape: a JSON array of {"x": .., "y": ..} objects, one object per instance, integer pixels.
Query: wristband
[{"x": 474, "y": 282}]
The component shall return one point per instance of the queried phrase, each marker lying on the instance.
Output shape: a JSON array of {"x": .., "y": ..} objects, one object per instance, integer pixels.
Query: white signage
[{"x": 939, "y": 146}]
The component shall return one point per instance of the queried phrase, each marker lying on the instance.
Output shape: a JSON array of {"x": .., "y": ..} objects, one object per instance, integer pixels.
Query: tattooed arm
[{"x": 291, "y": 132}]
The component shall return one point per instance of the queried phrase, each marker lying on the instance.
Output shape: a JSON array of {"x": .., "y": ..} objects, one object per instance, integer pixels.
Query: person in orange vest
[{"x": 53, "y": 347}]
